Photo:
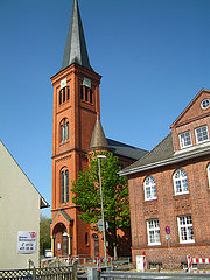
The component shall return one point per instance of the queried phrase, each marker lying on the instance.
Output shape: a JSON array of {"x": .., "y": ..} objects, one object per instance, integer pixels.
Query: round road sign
[{"x": 168, "y": 229}]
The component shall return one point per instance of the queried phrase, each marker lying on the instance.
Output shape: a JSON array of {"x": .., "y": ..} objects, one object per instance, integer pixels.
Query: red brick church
[{"x": 76, "y": 130}]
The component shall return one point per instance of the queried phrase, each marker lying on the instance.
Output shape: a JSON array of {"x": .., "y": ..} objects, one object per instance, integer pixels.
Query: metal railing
[
  {"x": 46, "y": 273},
  {"x": 150, "y": 275}
]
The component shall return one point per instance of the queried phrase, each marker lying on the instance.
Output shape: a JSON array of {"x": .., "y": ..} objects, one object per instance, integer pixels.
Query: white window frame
[
  {"x": 183, "y": 138},
  {"x": 208, "y": 171},
  {"x": 180, "y": 182},
  {"x": 185, "y": 229},
  {"x": 153, "y": 232},
  {"x": 196, "y": 133},
  {"x": 204, "y": 103},
  {"x": 150, "y": 188}
]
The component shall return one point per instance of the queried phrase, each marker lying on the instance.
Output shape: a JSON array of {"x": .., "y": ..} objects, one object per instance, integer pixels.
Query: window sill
[
  {"x": 63, "y": 143},
  {"x": 187, "y": 242},
  {"x": 151, "y": 199},
  {"x": 156, "y": 244},
  {"x": 179, "y": 194},
  {"x": 86, "y": 102}
]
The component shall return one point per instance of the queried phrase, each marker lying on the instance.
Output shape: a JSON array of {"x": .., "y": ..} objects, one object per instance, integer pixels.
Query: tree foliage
[
  {"x": 45, "y": 233},
  {"x": 115, "y": 193}
]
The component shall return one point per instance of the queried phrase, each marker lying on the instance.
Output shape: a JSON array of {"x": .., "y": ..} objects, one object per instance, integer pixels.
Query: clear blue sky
[{"x": 154, "y": 56}]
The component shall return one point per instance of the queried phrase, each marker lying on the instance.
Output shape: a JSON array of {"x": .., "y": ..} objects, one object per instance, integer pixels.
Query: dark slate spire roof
[
  {"x": 98, "y": 138},
  {"x": 75, "y": 47}
]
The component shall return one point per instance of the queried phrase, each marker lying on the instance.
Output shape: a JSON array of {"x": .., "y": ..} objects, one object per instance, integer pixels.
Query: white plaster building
[{"x": 20, "y": 205}]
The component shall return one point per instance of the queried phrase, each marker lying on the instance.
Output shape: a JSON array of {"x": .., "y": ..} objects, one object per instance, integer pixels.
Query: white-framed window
[
  {"x": 150, "y": 189},
  {"x": 185, "y": 230},
  {"x": 208, "y": 172},
  {"x": 180, "y": 182},
  {"x": 64, "y": 130},
  {"x": 205, "y": 103},
  {"x": 153, "y": 232},
  {"x": 185, "y": 139},
  {"x": 202, "y": 134}
]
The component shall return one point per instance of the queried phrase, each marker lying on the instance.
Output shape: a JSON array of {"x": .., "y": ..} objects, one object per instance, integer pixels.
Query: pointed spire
[
  {"x": 75, "y": 47},
  {"x": 98, "y": 138}
]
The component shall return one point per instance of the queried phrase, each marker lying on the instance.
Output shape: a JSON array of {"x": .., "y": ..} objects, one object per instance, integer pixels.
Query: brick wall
[{"x": 167, "y": 207}]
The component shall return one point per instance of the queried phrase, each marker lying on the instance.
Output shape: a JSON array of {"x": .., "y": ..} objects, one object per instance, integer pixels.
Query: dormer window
[
  {"x": 205, "y": 103},
  {"x": 202, "y": 134},
  {"x": 185, "y": 139}
]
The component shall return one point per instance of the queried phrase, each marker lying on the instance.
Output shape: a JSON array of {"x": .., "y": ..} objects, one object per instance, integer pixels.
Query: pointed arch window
[
  {"x": 65, "y": 185},
  {"x": 150, "y": 188},
  {"x": 64, "y": 130},
  {"x": 180, "y": 182}
]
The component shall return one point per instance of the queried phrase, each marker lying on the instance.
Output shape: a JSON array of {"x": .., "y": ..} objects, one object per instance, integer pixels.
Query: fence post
[
  {"x": 74, "y": 271},
  {"x": 34, "y": 273}
]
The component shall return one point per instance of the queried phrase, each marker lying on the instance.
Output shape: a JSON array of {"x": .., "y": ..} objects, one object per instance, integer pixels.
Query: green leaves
[{"x": 115, "y": 192}]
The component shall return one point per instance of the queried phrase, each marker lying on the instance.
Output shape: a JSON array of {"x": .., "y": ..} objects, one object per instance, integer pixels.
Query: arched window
[
  {"x": 150, "y": 189},
  {"x": 64, "y": 130},
  {"x": 180, "y": 182},
  {"x": 65, "y": 185}
]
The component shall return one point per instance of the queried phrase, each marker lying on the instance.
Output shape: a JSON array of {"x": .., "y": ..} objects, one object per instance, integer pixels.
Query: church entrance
[
  {"x": 65, "y": 245},
  {"x": 96, "y": 244},
  {"x": 61, "y": 241}
]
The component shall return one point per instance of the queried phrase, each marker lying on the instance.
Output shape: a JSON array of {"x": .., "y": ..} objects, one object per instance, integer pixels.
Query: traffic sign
[
  {"x": 168, "y": 229},
  {"x": 168, "y": 236},
  {"x": 100, "y": 225}
]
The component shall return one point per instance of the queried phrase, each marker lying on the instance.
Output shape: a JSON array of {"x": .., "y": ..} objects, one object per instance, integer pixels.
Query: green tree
[
  {"x": 44, "y": 233},
  {"x": 115, "y": 192}
]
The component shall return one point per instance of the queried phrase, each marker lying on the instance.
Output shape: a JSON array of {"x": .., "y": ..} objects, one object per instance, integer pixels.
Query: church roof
[
  {"x": 75, "y": 47},
  {"x": 163, "y": 151},
  {"x": 98, "y": 138},
  {"x": 124, "y": 150}
]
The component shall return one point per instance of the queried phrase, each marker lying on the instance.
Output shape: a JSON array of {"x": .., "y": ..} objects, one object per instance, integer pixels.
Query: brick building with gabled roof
[{"x": 170, "y": 186}]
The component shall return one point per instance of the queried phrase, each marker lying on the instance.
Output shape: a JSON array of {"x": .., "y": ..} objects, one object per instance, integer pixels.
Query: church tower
[{"x": 75, "y": 108}]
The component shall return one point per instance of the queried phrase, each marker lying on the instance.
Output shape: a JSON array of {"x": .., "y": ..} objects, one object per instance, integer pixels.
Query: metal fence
[
  {"x": 153, "y": 275},
  {"x": 46, "y": 273}
]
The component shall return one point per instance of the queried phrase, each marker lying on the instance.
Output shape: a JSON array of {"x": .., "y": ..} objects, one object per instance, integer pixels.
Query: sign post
[{"x": 168, "y": 237}]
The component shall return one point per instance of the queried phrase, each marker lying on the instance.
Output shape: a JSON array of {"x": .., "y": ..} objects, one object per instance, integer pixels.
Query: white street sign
[
  {"x": 26, "y": 242},
  {"x": 168, "y": 236},
  {"x": 100, "y": 225}
]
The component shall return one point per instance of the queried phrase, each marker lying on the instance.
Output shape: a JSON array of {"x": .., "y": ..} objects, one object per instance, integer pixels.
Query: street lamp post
[{"x": 102, "y": 205}]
